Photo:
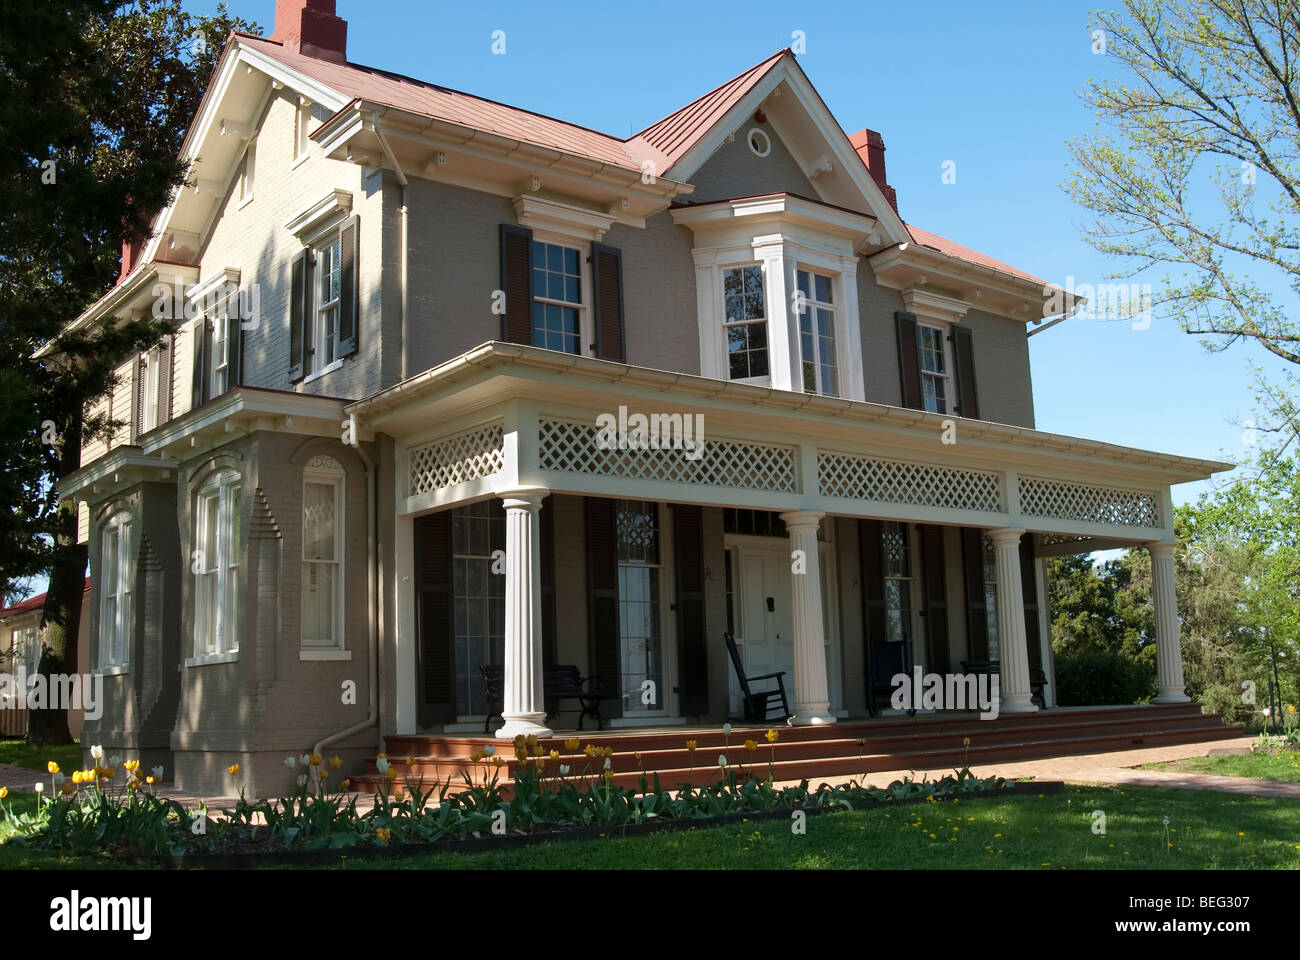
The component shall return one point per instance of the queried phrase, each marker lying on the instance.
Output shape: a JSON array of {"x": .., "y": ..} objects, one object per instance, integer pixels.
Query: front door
[{"x": 765, "y": 631}]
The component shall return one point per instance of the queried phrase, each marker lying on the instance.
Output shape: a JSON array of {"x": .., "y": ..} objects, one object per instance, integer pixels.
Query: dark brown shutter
[
  {"x": 607, "y": 291},
  {"x": 349, "y": 317},
  {"x": 517, "y": 283},
  {"x": 873, "y": 595},
  {"x": 165, "y": 351},
  {"x": 299, "y": 290},
  {"x": 137, "y": 399},
  {"x": 963, "y": 352},
  {"x": 602, "y": 599},
  {"x": 909, "y": 361},
  {"x": 977, "y": 624},
  {"x": 546, "y": 519},
  {"x": 435, "y": 646},
  {"x": 935, "y": 590},
  {"x": 1029, "y": 587},
  {"x": 234, "y": 351},
  {"x": 202, "y": 350},
  {"x": 692, "y": 637}
]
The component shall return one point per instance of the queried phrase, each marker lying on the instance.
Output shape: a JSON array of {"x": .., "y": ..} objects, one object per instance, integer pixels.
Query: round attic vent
[{"x": 759, "y": 142}]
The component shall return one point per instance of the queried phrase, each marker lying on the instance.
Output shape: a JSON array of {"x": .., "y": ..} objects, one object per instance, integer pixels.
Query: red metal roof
[
  {"x": 935, "y": 242},
  {"x": 33, "y": 603}
]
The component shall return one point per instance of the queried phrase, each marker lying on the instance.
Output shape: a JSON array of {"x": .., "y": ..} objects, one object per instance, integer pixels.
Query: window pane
[
  {"x": 318, "y": 521},
  {"x": 824, "y": 289}
]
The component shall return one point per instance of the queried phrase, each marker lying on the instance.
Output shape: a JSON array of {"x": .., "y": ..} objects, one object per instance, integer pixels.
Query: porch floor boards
[{"x": 844, "y": 749}]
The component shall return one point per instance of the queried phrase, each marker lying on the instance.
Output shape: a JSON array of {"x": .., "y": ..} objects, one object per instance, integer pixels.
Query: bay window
[
  {"x": 322, "y": 555},
  {"x": 816, "y": 309},
  {"x": 115, "y": 572},
  {"x": 745, "y": 322},
  {"x": 217, "y": 546}
]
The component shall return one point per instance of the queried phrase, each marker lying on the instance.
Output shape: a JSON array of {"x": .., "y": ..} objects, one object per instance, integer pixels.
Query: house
[
  {"x": 20, "y": 657},
  {"x": 455, "y": 384}
]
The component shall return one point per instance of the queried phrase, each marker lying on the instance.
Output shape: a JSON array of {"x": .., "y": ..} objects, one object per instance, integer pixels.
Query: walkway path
[{"x": 1117, "y": 767}]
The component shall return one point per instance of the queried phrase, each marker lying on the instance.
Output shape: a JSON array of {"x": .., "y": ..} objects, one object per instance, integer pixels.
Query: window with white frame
[
  {"x": 816, "y": 308},
  {"x": 151, "y": 387},
  {"x": 248, "y": 172},
  {"x": 219, "y": 374},
  {"x": 640, "y": 569},
  {"x": 896, "y": 556},
  {"x": 329, "y": 289},
  {"x": 936, "y": 376},
  {"x": 322, "y": 554},
  {"x": 745, "y": 322},
  {"x": 115, "y": 573},
  {"x": 217, "y": 545},
  {"x": 557, "y": 297}
]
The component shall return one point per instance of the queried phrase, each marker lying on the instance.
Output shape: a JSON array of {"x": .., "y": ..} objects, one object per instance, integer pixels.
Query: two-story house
[{"x": 456, "y": 384}]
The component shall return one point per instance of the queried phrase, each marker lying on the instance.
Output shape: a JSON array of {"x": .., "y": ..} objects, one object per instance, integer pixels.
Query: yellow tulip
[
  {"x": 691, "y": 745},
  {"x": 232, "y": 770},
  {"x": 391, "y": 773},
  {"x": 52, "y": 767},
  {"x": 410, "y": 761},
  {"x": 336, "y": 762},
  {"x": 315, "y": 759},
  {"x": 573, "y": 743},
  {"x": 109, "y": 773},
  {"x": 772, "y": 736},
  {"x": 590, "y": 750},
  {"x": 751, "y": 745},
  {"x": 4, "y": 792},
  {"x": 555, "y": 754}
]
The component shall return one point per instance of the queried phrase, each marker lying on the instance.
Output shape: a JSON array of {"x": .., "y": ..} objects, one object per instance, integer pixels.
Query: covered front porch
[{"x": 552, "y": 510}]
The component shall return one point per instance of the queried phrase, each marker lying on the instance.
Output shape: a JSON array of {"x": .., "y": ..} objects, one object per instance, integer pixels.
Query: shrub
[{"x": 1099, "y": 678}]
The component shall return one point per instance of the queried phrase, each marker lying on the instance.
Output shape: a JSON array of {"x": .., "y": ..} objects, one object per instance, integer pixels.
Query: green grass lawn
[
  {"x": 1284, "y": 765},
  {"x": 1207, "y": 830},
  {"x": 21, "y": 754}
]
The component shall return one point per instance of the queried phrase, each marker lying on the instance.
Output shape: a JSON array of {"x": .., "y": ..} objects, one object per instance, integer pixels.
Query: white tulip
[
  {"x": 302, "y": 779},
  {"x": 40, "y": 788},
  {"x": 726, "y": 728},
  {"x": 290, "y": 762},
  {"x": 609, "y": 765},
  {"x": 489, "y": 750},
  {"x": 157, "y": 773},
  {"x": 97, "y": 752},
  {"x": 381, "y": 766},
  {"x": 115, "y": 761},
  {"x": 58, "y": 781},
  {"x": 564, "y": 769},
  {"x": 722, "y": 759}
]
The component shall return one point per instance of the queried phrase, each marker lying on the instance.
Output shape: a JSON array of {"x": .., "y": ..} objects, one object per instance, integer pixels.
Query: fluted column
[
  {"x": 1169, "y": 647},
  {"x": 812, "y": 703},
  {"x": 523, "y": 708},
  {"x": 1013, "y": 646}
]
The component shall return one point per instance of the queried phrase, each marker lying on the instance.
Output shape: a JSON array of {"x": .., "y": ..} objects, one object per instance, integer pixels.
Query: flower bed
[{"x": 553, "y": 795}]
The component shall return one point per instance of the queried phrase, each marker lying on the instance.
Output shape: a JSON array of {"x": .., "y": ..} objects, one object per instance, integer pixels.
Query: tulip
[
  {"x": 305, "y": 759},
  {"x": 157, "y": 772},
  {"x": 691, "y": 745},
  {"x": 726, "y": 728},
  {"x": 290, "y": 762},
  {"x": 302, "y": 780},
  {"x": 772, "y": 736},
  {"x": 572, "y": 744},
  {"x": 381, "y": 765},
  {"x": 233, "y": 769},
  {"x": 751, "y": 745},
  {"x": 391, "y": 773},
  {"x": 58, "y": 779},
  {"x": 489, "y": 750},
  {"x": 40, "y": 788},
  {"x": 115, "y": 760},
  {"x": 345, "y": 784},
  {"x": 555, "y": 754},
  {"x": 564, "y": 769},
  {"x": 722, "y": 759},
  {"x": 315, "y": 759},
  {"x": 97, "y": 752},
  {"x": 4, "y": 792},
  {"x": 52, "y": 767},
  {"x": 608, "y": 763},
  {"x": 336, "y": 762}
]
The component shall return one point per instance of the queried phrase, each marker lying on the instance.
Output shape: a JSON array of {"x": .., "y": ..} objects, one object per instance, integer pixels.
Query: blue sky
[{"x": 992, "y": 87}]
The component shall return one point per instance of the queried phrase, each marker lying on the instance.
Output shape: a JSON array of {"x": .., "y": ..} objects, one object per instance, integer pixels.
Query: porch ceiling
[{"x": 505, "y": 415}]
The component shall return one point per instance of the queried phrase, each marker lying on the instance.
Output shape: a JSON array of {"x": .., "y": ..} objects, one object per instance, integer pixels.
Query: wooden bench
[
  {"x": 562, "y": 682},
  {"x": 1037, "y": 678}
]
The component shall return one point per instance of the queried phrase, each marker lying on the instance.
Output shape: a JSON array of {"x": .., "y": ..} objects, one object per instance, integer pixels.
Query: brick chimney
[
  {"x": 310, "y": 27},
  {"x": 871, "y": 148}
]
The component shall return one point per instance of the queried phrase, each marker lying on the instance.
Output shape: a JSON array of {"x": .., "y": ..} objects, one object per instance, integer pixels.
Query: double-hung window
[
  {"x": 329, "y": 285},
  {"x": 745, "y": 322},
  {"x": 557, "y": 297},
  {"x": 217, "y": 546},
  {"x": 936, "y": 376},
  {"x": 816, "y": 309},
  {"x": 115, "y": 574},
  {"x": 322, "y": 554}
]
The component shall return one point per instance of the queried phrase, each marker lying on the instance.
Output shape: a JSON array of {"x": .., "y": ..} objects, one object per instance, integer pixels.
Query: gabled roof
[
  {"x": 953, "y": 249},
  {"x": 33, "y": 603},
  {"x": 673, "y": 136}
]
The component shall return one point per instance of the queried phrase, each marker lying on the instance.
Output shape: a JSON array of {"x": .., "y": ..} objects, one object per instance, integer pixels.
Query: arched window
[
  {"x": 116, "y": 573},
  {"x": 215, "y": 564},
  {"x": 322, "y": 554}
]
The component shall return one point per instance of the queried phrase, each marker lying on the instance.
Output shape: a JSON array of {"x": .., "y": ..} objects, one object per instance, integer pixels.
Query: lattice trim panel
[
  {"x": 1059, "y": 500},
  {"x": 457, "y": 459},
  {"x": 895, "y": 481},
  {"x": 574, "y": 448}
]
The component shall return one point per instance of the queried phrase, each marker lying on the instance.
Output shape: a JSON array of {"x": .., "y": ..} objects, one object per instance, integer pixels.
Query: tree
[
  {"x": 95, "y": 98},
  {"x": 1200, "y": 172}
]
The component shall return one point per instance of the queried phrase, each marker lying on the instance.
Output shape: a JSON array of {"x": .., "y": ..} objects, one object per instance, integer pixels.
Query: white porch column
[
  {"x": 811, "y": 696},
  {"x": 1013, "y": 647},
  {"x": 523, "y": 709},
  {"x": 1169, "y": 647}
]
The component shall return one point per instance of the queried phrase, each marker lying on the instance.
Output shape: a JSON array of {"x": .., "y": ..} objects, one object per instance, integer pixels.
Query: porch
[
  {"x": 898, "y": 527},
  {"x": 853, "y": 748}
]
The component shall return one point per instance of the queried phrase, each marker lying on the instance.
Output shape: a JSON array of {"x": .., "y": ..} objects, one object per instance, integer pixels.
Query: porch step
[{"x": 810, "y": 752}]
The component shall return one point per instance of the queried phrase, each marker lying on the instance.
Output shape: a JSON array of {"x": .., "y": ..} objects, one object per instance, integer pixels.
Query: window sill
[
  {"x": 299, "y": 160},
  {"x": 114, "y": 671},
  {"x": 328, "y": 368},
  {"x": 203, "y": 661},
  {"x": 245, "y": 202},
  {"x": 308, "y": 655}
]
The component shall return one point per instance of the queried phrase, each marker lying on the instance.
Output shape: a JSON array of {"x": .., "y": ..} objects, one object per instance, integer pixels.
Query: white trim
[
  {"x": 328, "y": 368},
  {"x": 309, "y": 654},
  {"x": 320, "y": 215},
  {"x": 334, "y": 477},
  {"x": 934, "y": 307},
  {"x": 749, "y": 142},
  {"x": 116, "y": 671},
  {"x": 206, "y": 659},
  {"x": 563, "y": 219}
]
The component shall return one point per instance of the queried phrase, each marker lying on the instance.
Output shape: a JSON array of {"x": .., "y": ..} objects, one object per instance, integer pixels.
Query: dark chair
[
  {"x": 561, "y": 682},
  {"x": 888, "y": 659},
  {"x": 758, "y": 704},
  {"x": 1037, "y": 679}
]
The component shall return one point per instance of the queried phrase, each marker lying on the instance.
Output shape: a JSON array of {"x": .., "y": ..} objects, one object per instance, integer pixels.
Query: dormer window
[
  {"x": 745, "y": 322},
  {"x": 816, "y": 309}
]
